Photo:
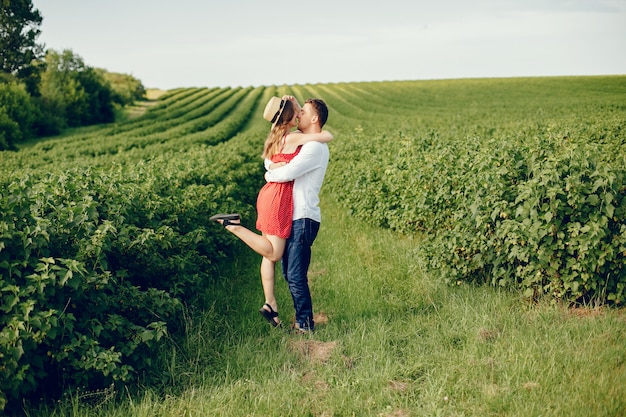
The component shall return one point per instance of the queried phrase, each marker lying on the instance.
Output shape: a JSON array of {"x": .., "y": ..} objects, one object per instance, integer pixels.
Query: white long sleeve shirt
[{"x": 307, "y": 169}]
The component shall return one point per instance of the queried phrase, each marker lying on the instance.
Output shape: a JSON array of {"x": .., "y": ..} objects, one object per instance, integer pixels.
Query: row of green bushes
[
  {"x": 517, "y": 183},
  {"x": 100, "y": 256}
]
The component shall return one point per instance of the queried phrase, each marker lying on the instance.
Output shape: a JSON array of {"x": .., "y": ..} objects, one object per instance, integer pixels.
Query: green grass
[{"x": 396, "y": 343}]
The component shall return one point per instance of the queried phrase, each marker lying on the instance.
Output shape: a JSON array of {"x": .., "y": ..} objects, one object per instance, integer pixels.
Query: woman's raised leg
[{"x": 268, "y": 246}]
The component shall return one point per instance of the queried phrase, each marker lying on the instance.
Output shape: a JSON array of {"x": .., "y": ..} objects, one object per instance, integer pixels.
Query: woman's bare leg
[
  {"x": 268, "y": 279},
  {"x": 268, "y": 246},
  {"x": 268, "y": 271},
  {"x": 271, "y": 248}
]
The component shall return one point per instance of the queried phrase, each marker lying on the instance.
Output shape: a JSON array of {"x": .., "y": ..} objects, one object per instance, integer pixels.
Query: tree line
[{"x": 43, "y": 92}]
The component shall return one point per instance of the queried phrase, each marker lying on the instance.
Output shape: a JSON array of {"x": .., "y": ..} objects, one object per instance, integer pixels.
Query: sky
[{"x": 230, "y": 43}]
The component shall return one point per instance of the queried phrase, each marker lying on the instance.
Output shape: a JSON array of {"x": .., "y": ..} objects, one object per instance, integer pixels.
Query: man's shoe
[{"x": 295, "y": 328}]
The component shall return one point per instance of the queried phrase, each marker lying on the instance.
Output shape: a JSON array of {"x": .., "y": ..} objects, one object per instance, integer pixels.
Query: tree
[
  {"x": 126, "y": 88},
  {"x": 9, "y": 133},
  {"x": 17, "y": 115},
  {"x": 76, "y": 91},
  {"x": 19, "y": 52}
]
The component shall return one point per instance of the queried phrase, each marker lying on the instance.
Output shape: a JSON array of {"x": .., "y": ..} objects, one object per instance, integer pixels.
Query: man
[{"x": 307, "y": 169}]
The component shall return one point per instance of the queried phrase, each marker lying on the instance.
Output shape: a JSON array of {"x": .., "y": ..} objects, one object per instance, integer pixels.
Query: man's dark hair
[{"x": 321, "y": 109}]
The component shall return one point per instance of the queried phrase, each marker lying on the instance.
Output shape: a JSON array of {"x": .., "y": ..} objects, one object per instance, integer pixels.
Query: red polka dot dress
[{"x": 275, "y": 203}]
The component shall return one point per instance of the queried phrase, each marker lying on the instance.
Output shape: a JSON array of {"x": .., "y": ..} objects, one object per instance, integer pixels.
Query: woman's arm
[
  {"x": 299, "y": 138},
  {"x": 275, "y": 165},
  {"x": 297, "y": 106}
]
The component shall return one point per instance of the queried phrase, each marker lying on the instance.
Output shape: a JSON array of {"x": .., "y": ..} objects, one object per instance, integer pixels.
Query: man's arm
[
  {"x": 309, "y": 158},
  {"x": 269, "y": 165}
]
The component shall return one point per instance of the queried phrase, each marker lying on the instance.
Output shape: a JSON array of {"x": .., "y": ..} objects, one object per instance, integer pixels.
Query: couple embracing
[{"x": 288, "y": 213}]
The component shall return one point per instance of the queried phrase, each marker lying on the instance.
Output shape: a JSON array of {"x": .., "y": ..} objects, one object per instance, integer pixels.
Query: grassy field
[
  {"x": 393, "y": 339},
  {"x": 391, "y": 342}
]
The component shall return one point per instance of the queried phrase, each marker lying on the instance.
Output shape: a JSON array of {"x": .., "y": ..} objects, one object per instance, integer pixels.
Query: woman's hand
[{"x": 294, "y": 101}]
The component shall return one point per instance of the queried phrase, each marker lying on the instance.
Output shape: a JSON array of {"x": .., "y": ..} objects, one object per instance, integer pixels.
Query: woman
[{"x": 275, "y": 200}]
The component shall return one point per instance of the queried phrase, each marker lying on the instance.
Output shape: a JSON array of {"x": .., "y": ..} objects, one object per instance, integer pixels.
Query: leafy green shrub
[
  {"x": 100, "y": 254},
  {"x": 566, "y": 235},
  {"x": 543, "y": 217},
  {"x": 126, "y": 88},
  {"x": 535, "y": 202},
  {"x": 17, "y": 115},
  {"x": 9, "y": 131},
  {"x": 66, "y": 318},
  {"x": 94, "y": 269}
]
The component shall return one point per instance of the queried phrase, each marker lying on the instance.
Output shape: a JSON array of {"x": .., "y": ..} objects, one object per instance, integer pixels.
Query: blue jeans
[{"x": 296, "y": 260}]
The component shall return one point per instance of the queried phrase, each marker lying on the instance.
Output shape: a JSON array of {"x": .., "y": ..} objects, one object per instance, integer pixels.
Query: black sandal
[
  {"x": 227, "y": 219},
  {"x": 270, "y": 315}
]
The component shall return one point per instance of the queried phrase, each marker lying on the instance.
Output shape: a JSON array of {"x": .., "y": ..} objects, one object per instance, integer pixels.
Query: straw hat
[{"x": 273, "y": 109}]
